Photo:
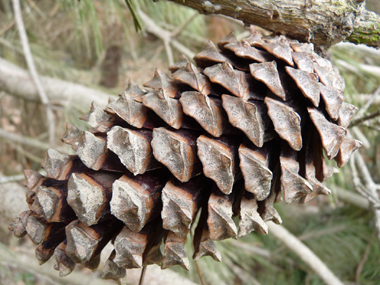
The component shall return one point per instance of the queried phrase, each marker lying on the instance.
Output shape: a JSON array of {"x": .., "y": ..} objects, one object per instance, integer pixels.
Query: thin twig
[
  {"x": 33, "y": 70},
  {"x": 365, "y": 97},
  {"x": 169, "y": 52},
  {"x": 362, "y": 49},
  {"x": 191, "y": 36},
  {"x": 143, "y": 270},
  {"x": 61, "y": 92},
  {"x": 361, "y": 137},
  {"x": 13, "y": 178},
  {"x": 369, "y": 103},
  {"x": 317, "y": 234},
  {"x": 254, "y": 250},
  {"x": 25, "y": 153},
  {"x": 374, "y": 128},
  {"x": 360, "y": 187},
  {"x": 371, "y": 188},
  {"x": 36, "y": 8},
  {"x": 17, "y": 177},
  {"x": 364, "y": 258},
  {"x": 28, "y": 141},
  {"x": 182, "y": 49},
  {"x": 248, "y": 247},
  {"x": 243, "y": 35},
  {"x": 364, "y": 118},
  {"x": 55, "y": 9},
  {"x": 304, "y": 253},
  {"x": 199, "y": 270},
  {"x": 164, "y": 35},
  {"x": 312, "y": 235},
  {"x": 358, "y": 184},
  {"x": 242, "y": 274},
  {"x": 7, "y": 27},
  {"x": 359, "y": 69},
  {"x": 351, "y": 197},
  {"x": 179, "y": 30}
]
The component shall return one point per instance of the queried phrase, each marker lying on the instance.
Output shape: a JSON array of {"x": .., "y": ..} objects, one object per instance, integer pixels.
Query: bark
[
  {"x": 322, "y": 22},
  {"x": 59, "y": 91},
  {"x": 368, "y": 31}
]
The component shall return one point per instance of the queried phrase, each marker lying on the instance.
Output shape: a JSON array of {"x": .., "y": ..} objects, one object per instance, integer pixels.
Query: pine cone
[{"x": 231, "y": 136}]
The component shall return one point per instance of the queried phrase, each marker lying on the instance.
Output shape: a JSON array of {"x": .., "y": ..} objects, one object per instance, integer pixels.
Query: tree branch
[
  {"x": 371, "y": 188},
  {"x": 17, "y": 177},
  {"x": 29, "y": 141},
  {"x": 369, "y": 103},
  {"x": 365, "y": 118},
  {"x": 368, "y": 30},
  {"x": 164, "y": 35},
  {"x": 33, "y": 71},
  {"x": 60, "y": 92},
  {"x": 351, "y": 197},
  {"x": 323, "y": 23},
  {"x": 304, "y": 253}
]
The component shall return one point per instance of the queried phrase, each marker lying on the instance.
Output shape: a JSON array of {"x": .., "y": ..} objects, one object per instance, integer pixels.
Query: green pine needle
[{"x": 136, "y": 19}]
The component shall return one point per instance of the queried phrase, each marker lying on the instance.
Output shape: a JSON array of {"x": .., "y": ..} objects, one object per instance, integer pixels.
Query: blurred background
[{"x": 95, "y": 44}]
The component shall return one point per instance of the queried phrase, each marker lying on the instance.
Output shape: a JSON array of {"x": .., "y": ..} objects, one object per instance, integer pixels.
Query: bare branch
[
  {"x": 33, "y": 70},
  {"x": 143, "y": 270},
  {"x": 356, "y": 180},
  {"x": 36, "y": 8},
  {"x": 60, "y": 92},
  {"x": 317, "y": 234},
  {"x": 179, "y": 30},
  {"x": 364, "y": 258},
  {"x": 367, "y": 97},
  {"x": 368, "y": 30},
  {"x": 7, "y": 27},
  {"x": 13, "y": 178},
  {"x": 199, "y": 270},
  {"x": 242, "y": 274},
  {"x": 351, "y": 197},
  {"x": 323, "y": 23},
  {"x": 169, "y": 52},
  {"x": 17, "y": 177},
  {"x": 255, "y": 250},
  {"x": 164, "y": 35},
  {"x": 28, "y": 141},
  {"x": 371, "y": 188},
  {"x": 304, "y": 253},
  {"x": 369, "y": 102},
  {"x": 364, "y": 118},
  {"x": 25, "y": 153}
]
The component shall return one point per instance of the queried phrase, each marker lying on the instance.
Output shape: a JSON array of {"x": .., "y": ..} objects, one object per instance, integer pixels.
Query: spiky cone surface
[{"x": 248, "y": 126}]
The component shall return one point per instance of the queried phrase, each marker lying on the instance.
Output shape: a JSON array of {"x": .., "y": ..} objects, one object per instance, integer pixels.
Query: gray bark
[{"x": 322, "y": 22}]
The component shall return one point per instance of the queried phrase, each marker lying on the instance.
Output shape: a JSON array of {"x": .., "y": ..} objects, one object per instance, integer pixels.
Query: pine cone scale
[{"x": 243, "y": 129}]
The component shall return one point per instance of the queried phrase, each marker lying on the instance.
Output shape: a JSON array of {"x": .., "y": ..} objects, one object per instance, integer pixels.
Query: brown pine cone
[{"x": 243, "y": 129}]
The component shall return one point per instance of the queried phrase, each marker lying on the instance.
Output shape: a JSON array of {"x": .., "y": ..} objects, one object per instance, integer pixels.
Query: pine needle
[{"x": 136, "y": 19}]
